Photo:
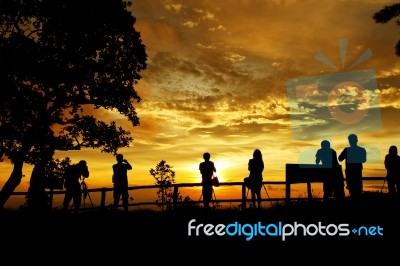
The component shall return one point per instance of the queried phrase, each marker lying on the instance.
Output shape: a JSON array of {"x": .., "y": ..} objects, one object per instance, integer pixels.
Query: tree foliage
[
  {"x": 165, "y": 177},
  {"x": 387, "y": 14},
  {"x": 61, "y": 61}
]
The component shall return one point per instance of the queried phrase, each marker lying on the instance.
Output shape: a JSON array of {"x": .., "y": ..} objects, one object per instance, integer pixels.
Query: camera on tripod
[{"x": 85, "y": 191}]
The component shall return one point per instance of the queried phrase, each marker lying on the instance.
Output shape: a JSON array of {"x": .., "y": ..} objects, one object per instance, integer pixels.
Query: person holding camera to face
[
  {"x": 73, "y": 191},
  {"x": 120, "y": 181}
]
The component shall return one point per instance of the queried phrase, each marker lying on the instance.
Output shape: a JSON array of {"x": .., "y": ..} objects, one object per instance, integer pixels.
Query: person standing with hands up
[{"x": 120, "y": 181}]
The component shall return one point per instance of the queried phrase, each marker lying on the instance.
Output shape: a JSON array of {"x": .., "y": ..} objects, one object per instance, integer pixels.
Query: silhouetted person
[
  {"x": 73, "y": 191},
  {"x": 256, "y": 168},
  {"x": 392, "y": 165},
  {"x": 120, "y": 181},
  {"x": 207, "y": 169},
  {"x": 355, "y": 156},
  {"x": 333, "y": 183}
]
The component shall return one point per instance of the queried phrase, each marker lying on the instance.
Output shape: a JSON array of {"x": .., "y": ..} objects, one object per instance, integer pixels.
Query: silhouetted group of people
[
  {"x": 253, "y": 182},
  {"x": 333, "y": 185},
  {"x": 354, "y": 156},
  {"x": 75, "y": 174}
]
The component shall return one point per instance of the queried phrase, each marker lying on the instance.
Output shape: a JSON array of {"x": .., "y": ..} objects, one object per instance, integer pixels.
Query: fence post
[
  {"x": 51, "y": 197},
  {"x": 103, "y": 198},
  {"x": 175, "y": 196},
  {"x": 287, "y": 180},
  {"x": 309, "y": 193},
  {"x": 244, "y": 196},
  {"x": 287, "y": 191}
]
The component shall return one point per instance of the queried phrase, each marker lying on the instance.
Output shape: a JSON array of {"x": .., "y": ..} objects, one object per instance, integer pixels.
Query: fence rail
[{"x": 243, "y": 199}]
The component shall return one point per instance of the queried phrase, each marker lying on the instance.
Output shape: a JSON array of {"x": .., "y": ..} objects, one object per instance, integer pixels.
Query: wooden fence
[
  {"x": 175, "y": 202},
  {"x": 304, "y": 176}
]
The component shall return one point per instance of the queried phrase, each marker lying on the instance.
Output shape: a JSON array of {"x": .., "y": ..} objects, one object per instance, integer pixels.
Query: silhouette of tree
[
  {"x": 385, "y": 15},
  {"x": 53, "y": 178},
  {"x": 165, "y": 177},
  {"x": 61, "y": 61}
]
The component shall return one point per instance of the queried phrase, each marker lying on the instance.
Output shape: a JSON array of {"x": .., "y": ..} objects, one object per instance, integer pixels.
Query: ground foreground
[{"x": 301, "y": 230}]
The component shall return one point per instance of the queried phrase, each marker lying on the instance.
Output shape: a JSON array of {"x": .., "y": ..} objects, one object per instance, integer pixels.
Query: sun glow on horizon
[
  {"x": 223, "y": 168},
  {"x": 221, "y": 86}
]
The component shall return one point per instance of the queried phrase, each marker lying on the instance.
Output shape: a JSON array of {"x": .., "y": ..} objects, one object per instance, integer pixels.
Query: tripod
[
  {"x": 384, "y": 182},
  {"x": 265, "y": 188},
  {"x": 85, "y": 192},
  {"x": 266, "y": 191},
  {"x": 213, "y": 197}
]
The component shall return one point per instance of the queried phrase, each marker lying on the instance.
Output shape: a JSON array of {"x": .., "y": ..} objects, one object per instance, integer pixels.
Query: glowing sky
[{"x": 217, "y": 81}]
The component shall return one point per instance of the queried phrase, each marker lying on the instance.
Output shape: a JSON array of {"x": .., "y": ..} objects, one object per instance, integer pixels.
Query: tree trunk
[
  {"x": 13, "y": 181},
  {"x": 37, "y": 198}
]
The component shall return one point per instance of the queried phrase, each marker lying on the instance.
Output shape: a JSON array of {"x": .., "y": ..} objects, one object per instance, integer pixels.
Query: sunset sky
[{"x": 218, "y": 78}]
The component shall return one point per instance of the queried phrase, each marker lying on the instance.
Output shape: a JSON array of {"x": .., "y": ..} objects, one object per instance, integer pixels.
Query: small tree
[{"x": 164, "y": 177}]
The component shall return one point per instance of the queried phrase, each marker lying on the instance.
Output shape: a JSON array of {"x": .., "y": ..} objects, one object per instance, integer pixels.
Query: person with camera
[
  {"x": 207, "y": 170},
  {"x": 73, "y": 191},
  {"x": 120, "y": 181}
]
